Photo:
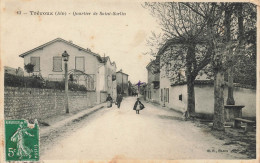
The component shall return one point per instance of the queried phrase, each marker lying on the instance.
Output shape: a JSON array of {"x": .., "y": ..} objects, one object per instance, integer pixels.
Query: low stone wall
[{"x": 34, "y": 103}]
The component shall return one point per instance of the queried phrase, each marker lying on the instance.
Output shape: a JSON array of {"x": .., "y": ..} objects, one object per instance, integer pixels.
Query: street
[{"x": 155, "y": 133}]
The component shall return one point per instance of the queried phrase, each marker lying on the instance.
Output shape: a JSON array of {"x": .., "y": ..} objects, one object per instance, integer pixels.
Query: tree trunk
[
  {"x": 190, "y": 79},
  {"x": 230, "y": 99},
  {"x": 218, "y": 122},
  {"x": 191, "y": 96}
]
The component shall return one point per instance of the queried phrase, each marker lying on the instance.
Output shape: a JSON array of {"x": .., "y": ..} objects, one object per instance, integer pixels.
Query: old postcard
[{"x": 97, "y": 80}]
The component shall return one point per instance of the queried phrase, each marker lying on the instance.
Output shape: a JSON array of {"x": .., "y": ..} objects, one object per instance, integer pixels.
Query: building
[
  {"x": 122, "y": 83},
  {"x": 173, "y": 90},
  {"x": 153, "y": 84},
  {"x": 83, "y": 65},
  {"x": 107, "y": 81}
]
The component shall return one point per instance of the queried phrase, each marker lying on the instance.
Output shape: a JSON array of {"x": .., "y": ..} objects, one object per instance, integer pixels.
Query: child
[{"x": 138, "y": 106}]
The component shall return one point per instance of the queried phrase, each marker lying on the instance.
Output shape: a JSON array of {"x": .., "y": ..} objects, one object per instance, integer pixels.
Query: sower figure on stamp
[
  {"x": 138, "y": 106},
  {"x": 109, "y": 101},
  {"x": 119, "y": 99},
  {"x": 18, "y": 137}
]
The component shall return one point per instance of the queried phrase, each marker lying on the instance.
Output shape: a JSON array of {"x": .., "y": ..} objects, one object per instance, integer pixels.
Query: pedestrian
[
  {"x": 119, "y": 99},
  {"x": 138, "y": 106},
  {"x": 109, "y": 101}
]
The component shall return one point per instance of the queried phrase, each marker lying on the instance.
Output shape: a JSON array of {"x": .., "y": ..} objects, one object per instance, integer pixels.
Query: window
[
  {"x": 180, "y": 97},
  {"x": 36, "y": 62},
  {"x": 167, "y": 95},
  {"x": 90, "y": 82},
  {"x": 80, "y": 63},
  {"x": 57, "y": 64}
]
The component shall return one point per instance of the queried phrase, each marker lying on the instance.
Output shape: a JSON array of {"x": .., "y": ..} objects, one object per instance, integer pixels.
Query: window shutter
[
  {"x": 36, "y": 62},
  {"x": 57, "y": 64}
]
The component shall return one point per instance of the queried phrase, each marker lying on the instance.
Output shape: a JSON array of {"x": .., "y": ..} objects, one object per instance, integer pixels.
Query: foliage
[
  {"x": 185, "y": 33},
  {"x": 216, "y": 30},
  {"x": 196, "y": 34},
  {"x": 29, "y": 67},
  {"x": 39, "y": 82},
  {"x": 71, "y": 77}
]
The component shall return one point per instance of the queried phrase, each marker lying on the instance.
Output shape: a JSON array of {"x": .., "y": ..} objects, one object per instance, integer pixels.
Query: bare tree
[
  {"x": 198, "y": 34},
  {"x": 184, "y": 26}
]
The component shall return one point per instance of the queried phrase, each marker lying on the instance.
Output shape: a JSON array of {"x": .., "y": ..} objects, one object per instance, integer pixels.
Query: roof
[
  {"x": 105, "y": 59},
  {"x": 60, "y": 40},
  {"x": 196, "y": 82},
  {"x": 153, "y": 62},
  {"x": 149, "y": 64},
  {"x": 122, "y": 73},
  {"x": 167, "y": 44},
  {"x": 175, "y": 41}
]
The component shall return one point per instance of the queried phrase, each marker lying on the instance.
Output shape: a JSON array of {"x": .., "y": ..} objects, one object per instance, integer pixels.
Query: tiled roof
[{"x": 61, "y": 40}]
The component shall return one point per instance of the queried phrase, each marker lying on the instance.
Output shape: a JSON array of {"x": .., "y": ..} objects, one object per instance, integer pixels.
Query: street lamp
[{"x": 65, "y": 57}]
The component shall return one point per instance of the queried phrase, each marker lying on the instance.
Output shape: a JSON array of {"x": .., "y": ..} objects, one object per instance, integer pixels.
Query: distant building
[
  {"x": 107, "y": 80},
  {"x": 153, "y": 84},
  {"x": 122, "y": 82},
  {"x": 9, "y": 70}
]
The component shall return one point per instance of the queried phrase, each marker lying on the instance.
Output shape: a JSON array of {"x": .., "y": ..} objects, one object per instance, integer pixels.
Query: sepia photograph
[{"x": 114, "y": 81}]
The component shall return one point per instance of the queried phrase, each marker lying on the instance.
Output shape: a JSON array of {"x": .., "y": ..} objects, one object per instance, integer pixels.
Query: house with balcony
[{"x": 152, "y": 91}]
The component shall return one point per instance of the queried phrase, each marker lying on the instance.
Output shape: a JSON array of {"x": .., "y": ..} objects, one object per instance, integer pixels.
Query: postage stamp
[{"x": 22, "y": 140}]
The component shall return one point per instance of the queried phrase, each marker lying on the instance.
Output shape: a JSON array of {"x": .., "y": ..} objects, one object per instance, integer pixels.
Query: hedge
[{"x": 39, "y": 82}]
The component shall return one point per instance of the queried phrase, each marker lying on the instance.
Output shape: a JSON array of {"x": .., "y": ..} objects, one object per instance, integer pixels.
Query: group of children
[{"x": 137, "y": 106}]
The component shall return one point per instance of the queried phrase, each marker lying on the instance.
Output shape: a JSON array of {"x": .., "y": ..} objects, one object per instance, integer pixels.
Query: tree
[
  {"x": 229, "y": 46},
  {"x": 29, "y": 68},
  {"x": 218, "y": 26},
  {"x": 186, "y": 29}
]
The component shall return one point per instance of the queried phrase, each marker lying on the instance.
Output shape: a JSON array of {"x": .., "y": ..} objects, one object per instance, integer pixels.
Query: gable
[{"x": 41, "y": 47}]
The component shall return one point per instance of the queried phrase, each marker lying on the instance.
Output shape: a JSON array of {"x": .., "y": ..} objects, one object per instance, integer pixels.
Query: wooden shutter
[
  {"x": 36, "y": 62},
  {"x": 57, "y": 64}
]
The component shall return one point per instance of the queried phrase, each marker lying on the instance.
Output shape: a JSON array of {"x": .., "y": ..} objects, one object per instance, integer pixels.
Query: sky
[{"x": 122, "y": 38}]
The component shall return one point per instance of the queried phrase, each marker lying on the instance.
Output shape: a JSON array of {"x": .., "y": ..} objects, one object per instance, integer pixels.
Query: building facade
[
  {"x": 152, "y": 92},
  {"x": 107, "y": 81},
  {"x": 173, "y": 90},
  {"x": 84, "y": 66},
  {"x": 122, "y": 83}
]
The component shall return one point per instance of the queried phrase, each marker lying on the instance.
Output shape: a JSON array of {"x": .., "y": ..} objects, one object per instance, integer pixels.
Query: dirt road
[{"x": 155, "y": 133}]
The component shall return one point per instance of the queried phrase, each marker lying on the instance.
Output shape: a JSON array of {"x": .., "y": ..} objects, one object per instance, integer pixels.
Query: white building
[
  {"x": 107, "y": 81},
  {"x": 83, "y": 64},
  {"x": 173, "y": 92}
]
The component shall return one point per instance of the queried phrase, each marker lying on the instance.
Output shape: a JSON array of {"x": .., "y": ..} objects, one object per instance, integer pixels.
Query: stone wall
[{"x": 31, "y": 103}]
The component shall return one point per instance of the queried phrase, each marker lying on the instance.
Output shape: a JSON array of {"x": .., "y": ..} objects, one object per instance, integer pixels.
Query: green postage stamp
[{"x": 22, "y": 140}]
